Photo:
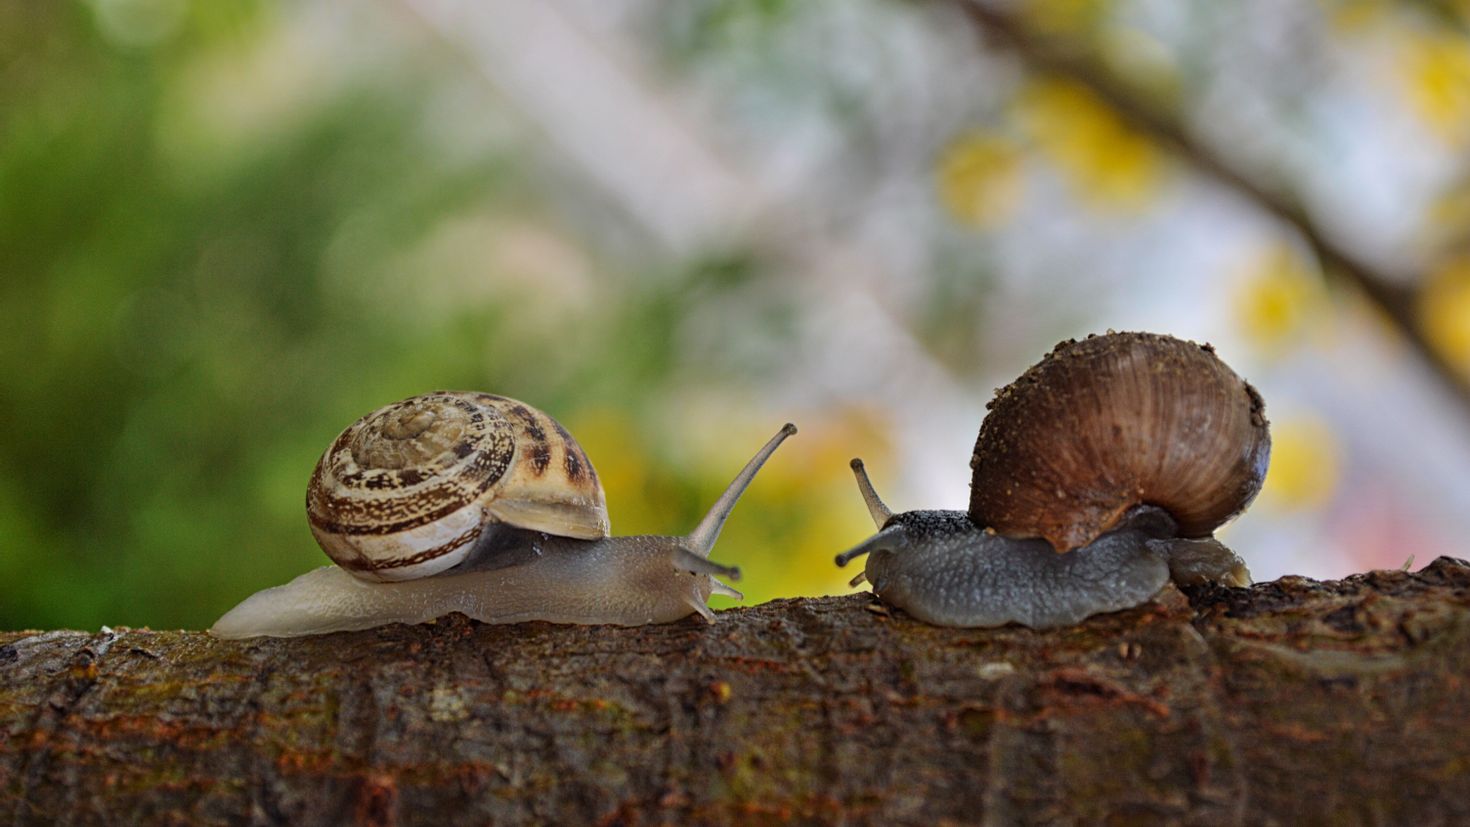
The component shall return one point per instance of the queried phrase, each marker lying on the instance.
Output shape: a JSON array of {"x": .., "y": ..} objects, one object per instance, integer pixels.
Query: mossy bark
[{"x": 1293, "y": 702}]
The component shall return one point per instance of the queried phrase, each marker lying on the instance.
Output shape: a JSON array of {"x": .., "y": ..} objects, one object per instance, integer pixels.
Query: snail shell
[
  {"x": 405, "y": 491},
  {"x": 1114, "y": 421}
]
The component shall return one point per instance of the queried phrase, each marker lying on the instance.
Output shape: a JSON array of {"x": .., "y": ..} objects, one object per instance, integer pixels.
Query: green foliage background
[{"x": 188, "y": 316}]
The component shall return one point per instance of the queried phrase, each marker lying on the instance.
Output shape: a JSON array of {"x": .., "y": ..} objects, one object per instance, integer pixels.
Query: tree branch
[
  {"x": 1291, "y": 702},
  {"x": 1397, "y": 301}
]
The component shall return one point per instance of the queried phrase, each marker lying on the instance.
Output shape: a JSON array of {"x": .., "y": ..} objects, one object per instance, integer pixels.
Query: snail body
[
  {"x": 620, "y": 581},
  {"x": 1099, "y": 475},
  {"x": 480, "y": 504}
]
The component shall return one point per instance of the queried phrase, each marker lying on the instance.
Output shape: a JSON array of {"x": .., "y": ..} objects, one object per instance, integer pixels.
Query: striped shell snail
[
  {"x": 1099, "y": 475},
  {"x": 471, "y": 502}
]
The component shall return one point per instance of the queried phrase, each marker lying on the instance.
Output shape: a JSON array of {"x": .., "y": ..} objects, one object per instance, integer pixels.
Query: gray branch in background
[{"x": 1399, "y": 302}]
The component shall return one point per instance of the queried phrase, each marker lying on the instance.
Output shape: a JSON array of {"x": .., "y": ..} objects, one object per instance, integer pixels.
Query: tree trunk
[{"x": 1293, "y": 702}]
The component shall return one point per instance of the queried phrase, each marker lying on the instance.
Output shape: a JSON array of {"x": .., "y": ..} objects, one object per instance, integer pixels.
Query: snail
[
  {"x": 476, "y": 503},
  {"x": 1099, "y": 475}
]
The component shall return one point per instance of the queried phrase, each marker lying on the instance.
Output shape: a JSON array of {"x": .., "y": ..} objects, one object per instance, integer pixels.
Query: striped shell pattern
[{"x": 405, "y": 491}]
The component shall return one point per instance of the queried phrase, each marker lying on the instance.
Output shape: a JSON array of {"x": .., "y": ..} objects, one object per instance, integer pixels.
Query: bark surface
[{"x": 1293, "y": 702}]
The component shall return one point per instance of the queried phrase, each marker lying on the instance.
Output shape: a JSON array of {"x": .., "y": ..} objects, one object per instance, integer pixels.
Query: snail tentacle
[
  {"x": 702, "y": 539},
  {"x": 685, "y": 560},
  {"x": 880, "y": 513},
  {"x": 716, "y": 587}
]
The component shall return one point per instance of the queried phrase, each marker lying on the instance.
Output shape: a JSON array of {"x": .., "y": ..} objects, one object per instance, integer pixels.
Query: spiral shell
[
  {"x": 405, "y": 491},
  {"x": 1113, "y": 421}
]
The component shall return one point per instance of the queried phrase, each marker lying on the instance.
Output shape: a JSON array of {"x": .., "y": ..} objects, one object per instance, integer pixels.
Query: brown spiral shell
[
  {"x": 1113, "y": 421},
  {"x": 405, "y": 491}
]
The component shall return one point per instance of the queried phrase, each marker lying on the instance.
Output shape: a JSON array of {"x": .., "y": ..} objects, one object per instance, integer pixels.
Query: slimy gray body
[
  {"x": 958, "y": 575},
  {"x": 625, "y": 581},
  {"x": 941, "y": 568}
]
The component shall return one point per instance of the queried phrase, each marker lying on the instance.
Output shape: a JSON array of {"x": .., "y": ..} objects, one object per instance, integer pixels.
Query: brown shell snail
[
  {"x": 1099, "y": 475},
  {"x": 476, "y": 503}
]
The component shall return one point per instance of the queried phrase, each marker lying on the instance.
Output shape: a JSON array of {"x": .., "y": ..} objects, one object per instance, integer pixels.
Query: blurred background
[{"x": 228, "y": 229}]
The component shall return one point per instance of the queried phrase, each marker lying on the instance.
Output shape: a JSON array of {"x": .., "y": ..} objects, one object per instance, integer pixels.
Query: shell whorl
[
  {"x": 406, "y": 490},
  {"x": 1113, "y": 421}
]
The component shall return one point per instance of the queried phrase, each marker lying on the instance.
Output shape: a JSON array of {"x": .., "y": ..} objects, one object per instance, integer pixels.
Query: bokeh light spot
[
  {"x": 1305, "y": 464},
  {"x": 1446, "y": 309},
  {"x": 979, "y": 177}
]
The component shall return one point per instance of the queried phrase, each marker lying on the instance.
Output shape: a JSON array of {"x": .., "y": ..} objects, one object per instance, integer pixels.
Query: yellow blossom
[
  {"x": 1437, "y": 81},
  {"x": 979, "y": 178},
  {"x": 1280, "y": 298},
  {"x": 1445, "y": 309},
  {"x": 1304, "y": 463},
  {"x": 1111, "y": 164}
]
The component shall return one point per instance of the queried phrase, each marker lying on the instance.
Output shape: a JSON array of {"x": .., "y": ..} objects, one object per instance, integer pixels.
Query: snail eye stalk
[{"x": 876, "y": 509}]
